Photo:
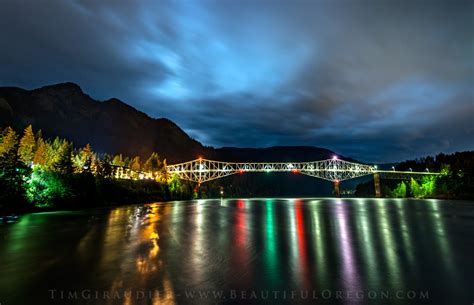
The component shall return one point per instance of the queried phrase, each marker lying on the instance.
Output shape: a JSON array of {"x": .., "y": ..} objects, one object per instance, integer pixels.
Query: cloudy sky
[{"x": 375, "y": 80}]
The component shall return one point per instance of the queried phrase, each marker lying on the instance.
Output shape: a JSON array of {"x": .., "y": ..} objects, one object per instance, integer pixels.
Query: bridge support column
[
  {"x": 337, "y": 190},
  {"x": 378, "y": 192}
]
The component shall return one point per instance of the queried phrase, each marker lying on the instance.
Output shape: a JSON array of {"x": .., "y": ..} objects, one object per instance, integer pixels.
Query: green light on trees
[
  {"x": 425, "y": 189},
  {"x": 45, "y": 188},
  {"x": 400, "y": 191}
]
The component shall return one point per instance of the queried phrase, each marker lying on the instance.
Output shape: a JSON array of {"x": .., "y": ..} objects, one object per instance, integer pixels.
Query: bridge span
[{"x": 334, "y": 170}]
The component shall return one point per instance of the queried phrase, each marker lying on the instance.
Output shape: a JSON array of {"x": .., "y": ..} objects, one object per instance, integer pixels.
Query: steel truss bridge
[{"x": 335, "y": 170}]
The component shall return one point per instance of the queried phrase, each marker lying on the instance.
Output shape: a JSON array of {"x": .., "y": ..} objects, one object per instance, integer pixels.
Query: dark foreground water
[{"x": 254, "y": 251}]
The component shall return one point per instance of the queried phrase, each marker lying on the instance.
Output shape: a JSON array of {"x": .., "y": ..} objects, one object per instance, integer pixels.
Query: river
[{"x": 243, "y": 251}]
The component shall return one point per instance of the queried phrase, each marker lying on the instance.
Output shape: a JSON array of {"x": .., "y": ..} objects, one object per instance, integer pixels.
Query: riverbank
[{"x": 80, "y": 191}]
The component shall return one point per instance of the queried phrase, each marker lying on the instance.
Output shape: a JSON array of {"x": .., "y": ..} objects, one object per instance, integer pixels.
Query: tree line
[
  {"x": 454, "y": 181},
  {"x": 38, "y": 172}
]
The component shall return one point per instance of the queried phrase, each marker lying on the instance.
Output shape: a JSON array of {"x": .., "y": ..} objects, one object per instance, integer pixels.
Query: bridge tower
[
  {"x": 337, "y": 189},
  {"x": 378, "y": 192}
]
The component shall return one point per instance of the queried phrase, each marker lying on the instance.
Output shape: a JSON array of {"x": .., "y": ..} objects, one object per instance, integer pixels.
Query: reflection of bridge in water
[{"x": 334, "y": 170}]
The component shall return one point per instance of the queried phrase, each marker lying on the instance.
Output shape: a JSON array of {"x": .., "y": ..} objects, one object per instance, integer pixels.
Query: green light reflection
[
  {"x": 271, "y": 251},
  {"x": 320, "y": 246}
]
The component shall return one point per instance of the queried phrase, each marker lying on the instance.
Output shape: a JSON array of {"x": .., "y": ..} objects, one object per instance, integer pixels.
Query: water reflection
[
  {"x": 271, "y": 257},
  {"x": 386, "y": 231},
  {"x": 319, "y": 236},
  {"x": 405, "y": 231},
  {"x": 350, "y": 277},
  {"x": 146, "y": 278},
  {"x": 196, "y": 263},
  {"x": 241, "y": 254},
  {"x": 440, "y": 235},
  {"x": 365, "y": 236},
  {"x": 302, "y": 270},
  {"x": 159, "y": 253}
]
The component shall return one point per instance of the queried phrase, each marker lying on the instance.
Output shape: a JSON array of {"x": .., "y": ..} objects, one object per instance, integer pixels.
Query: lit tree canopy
[
  {"x": 26, "y": 149},
  {"x": 8, "y": 148},
  {"x": 135, "y": 164}
]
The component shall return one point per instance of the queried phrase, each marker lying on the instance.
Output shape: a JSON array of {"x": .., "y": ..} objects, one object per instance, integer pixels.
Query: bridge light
[
  {"x": 393, "y": 168},
  {"x": 427, "y": 170},
  {"x": 375, "y": 166},
  {"x": 241, "y": 171},
  {"x": 334, "y": 157},
  {"x": 200, "y": 158}
]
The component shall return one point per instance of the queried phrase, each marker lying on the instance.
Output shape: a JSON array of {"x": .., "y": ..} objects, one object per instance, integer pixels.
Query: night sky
[{"x": 378, "y": 81}]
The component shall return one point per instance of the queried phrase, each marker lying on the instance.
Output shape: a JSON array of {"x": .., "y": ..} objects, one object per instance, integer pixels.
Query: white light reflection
[{"x": 350, "y": 276}]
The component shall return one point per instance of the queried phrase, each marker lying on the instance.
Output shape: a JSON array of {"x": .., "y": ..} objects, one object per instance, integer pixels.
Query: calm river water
[{"x": 249, "y": 251}]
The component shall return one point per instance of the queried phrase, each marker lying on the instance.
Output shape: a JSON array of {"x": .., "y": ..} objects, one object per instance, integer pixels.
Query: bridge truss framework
[{"x": 335, "y": 170}]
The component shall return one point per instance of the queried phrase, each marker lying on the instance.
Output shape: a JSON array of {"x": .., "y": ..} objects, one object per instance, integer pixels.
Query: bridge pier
[
  {"x": 337, "y": 190},
  {"x": 378, "y": 192}
]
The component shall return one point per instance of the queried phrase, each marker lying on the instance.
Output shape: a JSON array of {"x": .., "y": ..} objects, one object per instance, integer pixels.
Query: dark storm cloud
[
  {"x": 375, "y": 80},
  {"x": 56, "y": 41}
]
